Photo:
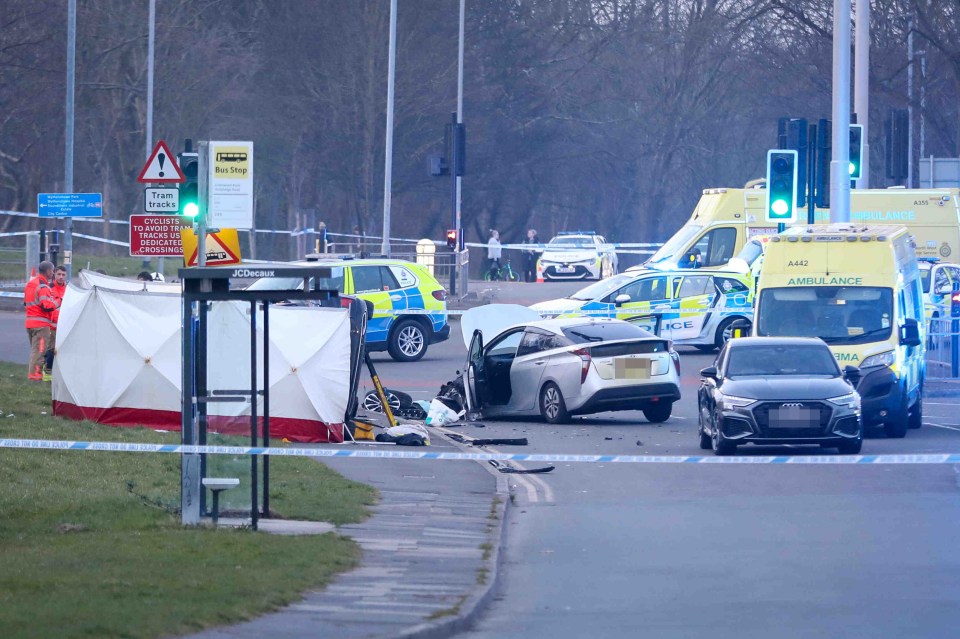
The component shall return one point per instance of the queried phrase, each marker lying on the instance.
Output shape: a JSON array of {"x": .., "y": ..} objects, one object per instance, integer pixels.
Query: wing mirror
[
  {"x": 709, "y": 372},
  {"x": 621, "y": 299},
  {"x": 852, "y": 375},
  {"x": 910, "y": 333},
  {"x": 944, "y": 289},
  {"x": 740, "y": 328}
]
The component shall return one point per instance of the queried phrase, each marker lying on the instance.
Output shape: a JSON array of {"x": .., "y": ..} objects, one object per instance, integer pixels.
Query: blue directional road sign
[{"x": 70, "y": 204}]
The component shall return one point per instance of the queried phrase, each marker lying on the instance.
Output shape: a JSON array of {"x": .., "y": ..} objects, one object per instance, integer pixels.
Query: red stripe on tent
[{"x": 296, "y": 430}]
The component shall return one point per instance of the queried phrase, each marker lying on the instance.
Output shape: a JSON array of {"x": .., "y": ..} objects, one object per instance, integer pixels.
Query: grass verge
[{"x": 92, "y": 546}]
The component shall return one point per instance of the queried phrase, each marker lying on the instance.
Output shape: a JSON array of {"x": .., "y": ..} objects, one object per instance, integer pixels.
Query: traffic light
[
  {"x": 189, "y": 188},
  {"x": 793, "y": 133},
  {"x": 856, "y": 150},
  {"x": 955, "y": 305},
  {"x": 452, "y": 239},
  {"x": 781, "y": 186}
]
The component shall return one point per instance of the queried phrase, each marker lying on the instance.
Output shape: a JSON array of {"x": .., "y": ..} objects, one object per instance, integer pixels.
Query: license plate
[
  {"x": 631, "y": 368},
  {"x": 565, "y": 269},
  {"x": 794, "y": 417}
]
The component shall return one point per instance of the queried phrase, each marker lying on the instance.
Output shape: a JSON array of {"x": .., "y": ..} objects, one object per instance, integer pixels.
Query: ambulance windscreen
[{"x": 835, "y": 314}]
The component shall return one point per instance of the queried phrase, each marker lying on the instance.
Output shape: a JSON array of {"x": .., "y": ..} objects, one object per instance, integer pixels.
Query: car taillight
[
  {"x": 440, "y": 295},
  {"x": 345, "y": 302},
  {"x": 676, "y": 361},
  {"x": 584, "y": 355}
]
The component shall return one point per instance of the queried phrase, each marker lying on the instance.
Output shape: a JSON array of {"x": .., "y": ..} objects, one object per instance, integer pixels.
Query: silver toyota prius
[{"x": 576, "y": 366}]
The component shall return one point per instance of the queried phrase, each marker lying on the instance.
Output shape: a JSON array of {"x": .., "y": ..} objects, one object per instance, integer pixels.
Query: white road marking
[
  {"x": 942, "y": 426},
  {"x": 532, "y": 485}
]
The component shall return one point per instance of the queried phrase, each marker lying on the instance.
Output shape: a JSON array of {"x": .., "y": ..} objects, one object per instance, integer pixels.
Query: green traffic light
[
  {"x": 780, "y": 207},
  {"x": 190, "y": 209},
  {"x": 853, "y": 168}
]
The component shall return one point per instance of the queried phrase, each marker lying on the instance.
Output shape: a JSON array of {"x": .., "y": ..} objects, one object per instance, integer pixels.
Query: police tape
[
  {"x": 677, "y": 313},
  {"x": 283, "y": 451}
]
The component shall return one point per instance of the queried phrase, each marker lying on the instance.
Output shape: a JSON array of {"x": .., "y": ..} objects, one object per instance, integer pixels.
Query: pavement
[{"x": 430, "y": 558}]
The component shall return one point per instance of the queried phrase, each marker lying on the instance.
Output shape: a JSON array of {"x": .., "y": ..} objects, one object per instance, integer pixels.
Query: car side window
[
  {"x": 694, "y": 285},
  {"x": 730, "y": 285},
  {"x": 506, "y": 345},
  {"x": 716, "y": 247},
  {"x": 404, "y": 276},
  {"x": 535, "y": 342},
  {"x": 388, "y": 280},
  {"x": 366, "y": 279},
  {"x": 654, "y": 288}
]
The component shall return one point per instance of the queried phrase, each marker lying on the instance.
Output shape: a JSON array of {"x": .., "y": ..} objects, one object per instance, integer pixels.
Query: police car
[
  {"x": 392, "y": 286},
  {"x": 578, "y": 255},
  {"x": 938, "y": 282},
  {"x": 689, "y": 306}
]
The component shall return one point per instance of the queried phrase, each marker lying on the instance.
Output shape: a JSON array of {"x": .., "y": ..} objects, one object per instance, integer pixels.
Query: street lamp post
[{"x": 388, "y": 159}]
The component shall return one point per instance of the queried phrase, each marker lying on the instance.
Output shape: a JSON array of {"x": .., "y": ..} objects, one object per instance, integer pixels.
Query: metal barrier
[{"x": 943, "y": 348}]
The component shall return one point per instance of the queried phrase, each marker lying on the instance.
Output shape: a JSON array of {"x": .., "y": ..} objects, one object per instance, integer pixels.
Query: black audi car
[{"x": 778, "y": 390}]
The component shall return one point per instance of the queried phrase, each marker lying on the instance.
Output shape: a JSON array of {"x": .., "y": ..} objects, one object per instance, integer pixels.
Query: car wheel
[
  {"x": 850, "y": 447},
  {"x": 915, "y": 420},
  {"x": 896, "y": 429},
  {"x": 408, "y": 341},
  {"x": 724, "y": 332},
  {"x": 552, "y": 407},
  {"x": 705, "y": 443},
  {"x": 659, "y": 412},
  {"x": 372, "y": 403},
  {"x": 721, "y": 447}
]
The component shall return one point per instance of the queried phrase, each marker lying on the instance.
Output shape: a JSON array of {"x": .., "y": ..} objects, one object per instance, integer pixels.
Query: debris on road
[
  {"x": 503, "y": 468},
  {"x": 405, "y": 435}
]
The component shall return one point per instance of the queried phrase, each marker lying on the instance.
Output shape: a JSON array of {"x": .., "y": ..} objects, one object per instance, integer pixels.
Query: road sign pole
[
  {"x": 68, "y": 153},
  {"x": 203, "y": 184}
]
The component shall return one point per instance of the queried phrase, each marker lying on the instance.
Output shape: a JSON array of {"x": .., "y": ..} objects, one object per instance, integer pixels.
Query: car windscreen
[
  {"x": 784, "y": 359},
  {"x": 603, "y": 332},
  {"x": 602, "y": 288},
  {"x": 571, "y": 242},
  {"x": 332, "y": 283},
  {"x": 672, "y": 249},
  {"x": 835, "y": 314}
]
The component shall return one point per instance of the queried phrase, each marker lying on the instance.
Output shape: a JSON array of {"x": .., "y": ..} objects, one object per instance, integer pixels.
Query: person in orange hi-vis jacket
[
  {"x": 58, "y": 288},
  {"x": 40, "y": 305}
]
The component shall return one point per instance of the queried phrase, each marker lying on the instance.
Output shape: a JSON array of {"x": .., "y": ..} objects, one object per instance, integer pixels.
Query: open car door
[{"x": 475, "y": 379}]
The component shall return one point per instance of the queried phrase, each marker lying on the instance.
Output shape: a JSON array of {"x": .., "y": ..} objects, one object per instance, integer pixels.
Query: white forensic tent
[{"x": 119, "y": 362}]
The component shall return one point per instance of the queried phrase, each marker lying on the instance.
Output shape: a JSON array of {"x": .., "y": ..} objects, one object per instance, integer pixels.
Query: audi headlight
[
  {"x": 880, "y": 359},
  {"x": 729, "y": 402},
  {"x": 850, "y": 400}
]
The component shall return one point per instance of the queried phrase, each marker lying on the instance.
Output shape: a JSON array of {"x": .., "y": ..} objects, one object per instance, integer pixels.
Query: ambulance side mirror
[
  {"x": 740, "y": 328},
  {"x": 910, "y": 333}
]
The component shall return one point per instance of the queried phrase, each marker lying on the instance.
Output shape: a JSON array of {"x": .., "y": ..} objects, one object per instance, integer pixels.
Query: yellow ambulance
[
  {"x": 725, "y": 220},
  {"x": 858, "y": 288}
]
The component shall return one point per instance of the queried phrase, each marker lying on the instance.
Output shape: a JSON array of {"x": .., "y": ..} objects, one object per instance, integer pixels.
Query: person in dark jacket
[{"x": 530, "y": 256}]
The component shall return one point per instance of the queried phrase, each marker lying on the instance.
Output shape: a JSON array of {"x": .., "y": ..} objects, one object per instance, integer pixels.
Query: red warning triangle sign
[{"x": 161, "y": 166}]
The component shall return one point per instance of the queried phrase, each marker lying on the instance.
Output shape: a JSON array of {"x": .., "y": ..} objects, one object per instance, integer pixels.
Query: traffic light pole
[{"x": 203, "y": 187}]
